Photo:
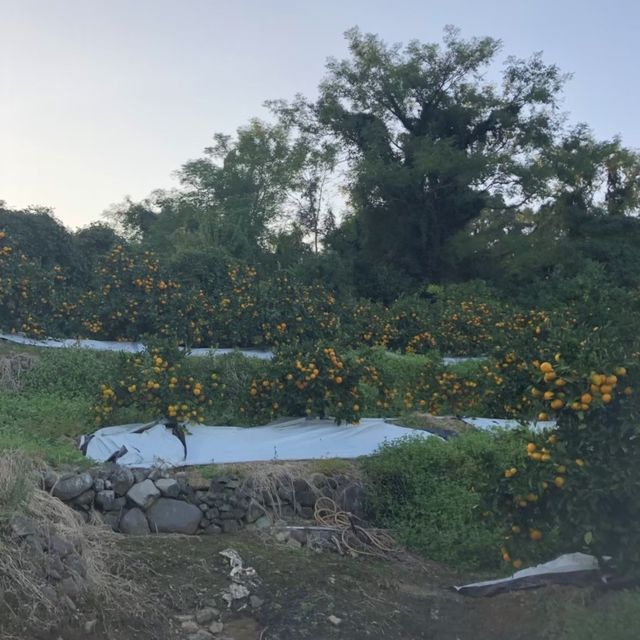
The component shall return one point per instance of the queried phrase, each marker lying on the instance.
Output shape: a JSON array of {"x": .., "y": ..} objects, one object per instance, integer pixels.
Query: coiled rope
[{"x": 351, "y": 537}]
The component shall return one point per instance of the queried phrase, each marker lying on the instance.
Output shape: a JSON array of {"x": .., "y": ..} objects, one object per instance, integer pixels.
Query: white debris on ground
[{"x": 243, "y": 580}]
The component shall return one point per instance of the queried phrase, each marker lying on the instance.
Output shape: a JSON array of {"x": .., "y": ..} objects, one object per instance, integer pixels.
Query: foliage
[
  {"x": 577, "y": 483},
  {"x": 431, "y": 494},
  {"x": 155, "y": 382}
]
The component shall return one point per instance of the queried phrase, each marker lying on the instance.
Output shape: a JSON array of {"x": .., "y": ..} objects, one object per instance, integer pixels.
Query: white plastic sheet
[
  {"x": 489, "y": 424},
  {"x": 125, "y": 347},
  {"x": 450, "y": 361},
  {"x": 299, "y": 439},
  {"x": 566, "y": 569}
]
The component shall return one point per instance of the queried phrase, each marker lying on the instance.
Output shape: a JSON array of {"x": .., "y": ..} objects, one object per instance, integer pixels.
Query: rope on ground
[{"x": 352, "y": 537}]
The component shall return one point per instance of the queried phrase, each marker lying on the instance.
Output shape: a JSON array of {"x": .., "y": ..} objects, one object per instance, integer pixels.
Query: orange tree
[
  {"x": 319, "y": 381},
  {"x": 576, "y": 486},
  {"x": 30, "y": 296},
  {"x": 154, "y": 382}
]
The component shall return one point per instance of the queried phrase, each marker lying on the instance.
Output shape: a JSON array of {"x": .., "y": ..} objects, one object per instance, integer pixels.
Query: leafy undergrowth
[{"x": 431, "y": 494}]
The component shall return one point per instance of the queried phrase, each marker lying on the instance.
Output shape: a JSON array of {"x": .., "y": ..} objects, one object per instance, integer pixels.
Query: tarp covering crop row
[
  {"x": 125, "y": 347},
  {"x": 137, "y": 445},
  {"x": 301, "y": 439}
]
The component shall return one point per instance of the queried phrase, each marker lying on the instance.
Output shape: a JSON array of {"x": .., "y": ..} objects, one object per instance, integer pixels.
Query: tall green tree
[{"x": 432, "y": 144}]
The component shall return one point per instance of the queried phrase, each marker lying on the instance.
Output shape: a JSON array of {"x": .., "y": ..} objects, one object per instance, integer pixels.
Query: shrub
[
  {"x": 579, "y": 483},
  {"x": 431, "y": 492}
]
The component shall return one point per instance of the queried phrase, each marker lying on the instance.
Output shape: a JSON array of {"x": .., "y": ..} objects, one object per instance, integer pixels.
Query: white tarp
[
  {"x": 566, "y": 569},
  {"x": 126, "y": 347},
  {"x": 299, "y": 439},
  {"x": 137, "y": 347},
  {"x": 489, "y": 424},
  {"x": 450, "y": 361}
]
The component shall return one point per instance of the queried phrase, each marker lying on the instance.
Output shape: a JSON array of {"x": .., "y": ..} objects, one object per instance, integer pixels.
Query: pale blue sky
[{"x": 102, "y": 99}]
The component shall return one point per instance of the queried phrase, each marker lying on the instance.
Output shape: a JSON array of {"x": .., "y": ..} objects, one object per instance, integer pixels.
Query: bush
[
  {"x": 579, "y": 483},
  {"x": 431, "y": 492}
]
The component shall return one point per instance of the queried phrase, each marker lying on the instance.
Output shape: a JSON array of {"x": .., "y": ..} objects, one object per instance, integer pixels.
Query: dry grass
[
  {"x": 25, "y": 595},
  {"x": 13, "y": 366}
]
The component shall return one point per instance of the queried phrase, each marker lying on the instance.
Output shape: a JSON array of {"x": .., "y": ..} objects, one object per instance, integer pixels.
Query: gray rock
[
  {"x": 206, "y": 615},
  {"x": 213, "y": 529},
  {"x": 119, "y": 504},
  {"x": 85, "y": 499},
  {"x": 281, "y": 536},
  {"x": 352, "y": 499},
  {"x": 216, "y": 627},
  {"x": 155, "y": 474},
  {"x": 134, "y": 522},
  {"x": 203, "y": 507},
  {"x": 168, "y": 487},
  {"x": 307, "y": 513},
  {"x": 174, "y": 516},
  {"x": 140, "y": 475},
  {"x": 293, "y": 543},
  {"x": 108, "y": 484},
  {"x": 105, "y": 499},
  {"x": 143, "y": 494},
  {"x": 189, "y": 626},
  {"x": 318, "y": 480},
  {"x": 201, "y": 634},
  {"x": 98, "y": 485},
  {"x": 306, "y": 498},
  {"x": 71, "y": 486},
  {"x": 335, "y": 621},
  {"x": 255, "y": 602},
  {"x": 49, "y": 478},
  {"x": 263, "y": 522},
  {"x": 254, "y": 512},
  {"x": 121, "y": 480},
  {"x": 298, "y": 534},
  {"x": 230, "y": 526}
]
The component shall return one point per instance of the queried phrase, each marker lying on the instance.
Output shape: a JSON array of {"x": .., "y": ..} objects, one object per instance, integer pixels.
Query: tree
[
  {"x": 242, "y": 185},
  {"x": 432, "y": 144}
]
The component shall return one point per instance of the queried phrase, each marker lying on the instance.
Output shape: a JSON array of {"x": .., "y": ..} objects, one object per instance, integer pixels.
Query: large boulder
[
  {"x": 71, "y": 486},
  {"x": 134, "y": 522},
  {"x": 174, "y": 516},
  {"x": 143, "y": 494}
]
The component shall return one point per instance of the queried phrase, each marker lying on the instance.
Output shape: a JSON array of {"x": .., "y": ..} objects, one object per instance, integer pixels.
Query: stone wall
[{"x": 143, "y": 501}]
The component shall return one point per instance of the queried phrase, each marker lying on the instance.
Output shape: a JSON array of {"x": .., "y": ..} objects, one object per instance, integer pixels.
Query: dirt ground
[{"x": 396, "y": 599}]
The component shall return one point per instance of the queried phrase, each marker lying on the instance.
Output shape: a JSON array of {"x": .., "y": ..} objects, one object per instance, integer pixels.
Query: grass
[{"x": 614, "y": 616}]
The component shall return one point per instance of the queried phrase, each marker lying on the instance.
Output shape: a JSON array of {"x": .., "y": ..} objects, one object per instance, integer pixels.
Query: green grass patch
[{"x": 616, "y": 616}]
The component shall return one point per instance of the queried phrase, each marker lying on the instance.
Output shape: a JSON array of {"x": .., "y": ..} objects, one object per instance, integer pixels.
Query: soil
[{"x": 402, "y": 598}]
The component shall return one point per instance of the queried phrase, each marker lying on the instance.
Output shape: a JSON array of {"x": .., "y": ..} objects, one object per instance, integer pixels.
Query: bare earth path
[{"x": 401, "y": 599}]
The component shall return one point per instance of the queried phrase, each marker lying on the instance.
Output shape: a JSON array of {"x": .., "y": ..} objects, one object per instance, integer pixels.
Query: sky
[{"x": 102, "y": 99}]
